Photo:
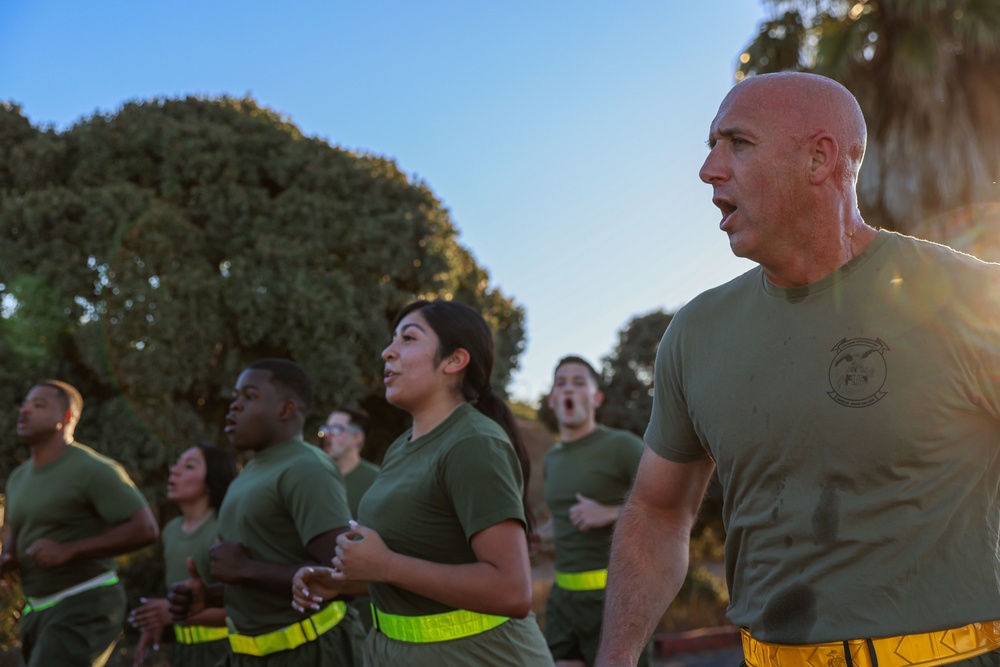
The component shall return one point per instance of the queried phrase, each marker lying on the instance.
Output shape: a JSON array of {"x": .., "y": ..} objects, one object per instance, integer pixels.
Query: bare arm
[
  {"x": 138, "y": 530},
  {"x": 649, "y": 554},
  {"x": 499, "y": 582},
  {"x": 232, "y": 565}
]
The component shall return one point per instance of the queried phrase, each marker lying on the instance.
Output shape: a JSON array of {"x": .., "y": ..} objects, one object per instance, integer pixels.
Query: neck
[
  {"x": 571, "y": 433},
  {"x": 348, "y": 461},
  {"x": 280, "y": 437},
  {"x": 816, "y": 257},
  {"x": 427, "y": 417},
  {"x": 47, "y": 451},
  {"x": 194, "y": 512}
]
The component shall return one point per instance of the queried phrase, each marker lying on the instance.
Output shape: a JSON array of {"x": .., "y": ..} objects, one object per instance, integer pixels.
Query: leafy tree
[
  {"x": 927, "y": 76},
  {"x": 628, "y": 373},
  {"x": 147, "y": 255}
]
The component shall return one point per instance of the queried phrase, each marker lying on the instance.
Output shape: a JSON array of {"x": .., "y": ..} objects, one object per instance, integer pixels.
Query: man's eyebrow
[
  {"x": 410, "y": 324},
  {"x": 725, "y": 133}
]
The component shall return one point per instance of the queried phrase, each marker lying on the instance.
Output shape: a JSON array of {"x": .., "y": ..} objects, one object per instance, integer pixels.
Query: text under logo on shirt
[{"x": 857, "y": 372}]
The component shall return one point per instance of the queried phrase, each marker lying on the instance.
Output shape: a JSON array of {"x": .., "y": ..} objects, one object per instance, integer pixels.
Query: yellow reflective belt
[
  {"x": 199, "y": 634},
  {"x": 595, "y": 580},
  {"x": 921, "y": 650},
  {"x": 109, "y": 578},
  {"x": 435, "y": 627},
  {"x": 292, "y": 636}
]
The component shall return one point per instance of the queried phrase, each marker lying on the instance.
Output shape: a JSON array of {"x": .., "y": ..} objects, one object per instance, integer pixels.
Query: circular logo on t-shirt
[{"x": 857, "y": 372}]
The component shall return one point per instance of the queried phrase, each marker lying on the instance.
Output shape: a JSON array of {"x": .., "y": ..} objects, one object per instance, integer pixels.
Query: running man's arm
[
  {"x": 135, "y": 532},
  {"x": 587, "y": 514},
  {"x": 231, "y": 564},
  {"x": 649, "y": 553}
]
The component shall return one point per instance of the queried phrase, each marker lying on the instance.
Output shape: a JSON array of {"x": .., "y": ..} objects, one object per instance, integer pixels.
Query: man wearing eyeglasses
[{"x": 343, "y": 438}]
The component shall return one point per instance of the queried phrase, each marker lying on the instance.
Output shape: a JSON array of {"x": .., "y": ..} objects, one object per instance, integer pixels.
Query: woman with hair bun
[{"x": 442, "y": 534}]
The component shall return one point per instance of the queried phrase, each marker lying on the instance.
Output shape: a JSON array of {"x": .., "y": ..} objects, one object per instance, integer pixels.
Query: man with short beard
[{"x": 587, "y": 475}]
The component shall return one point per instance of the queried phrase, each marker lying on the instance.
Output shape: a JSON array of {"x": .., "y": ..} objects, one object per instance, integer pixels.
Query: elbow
[
  {"x": 517, "y": 604},
  {"x": 149, "y": 534}
]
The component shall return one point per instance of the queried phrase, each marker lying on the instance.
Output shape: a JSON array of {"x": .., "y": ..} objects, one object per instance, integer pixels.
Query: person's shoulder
[
  {"x": 303, "y": 455},
  {"x": 933, "y": 253},
  {"x": 81, "y": 454},
  {"x": 474, "y": 424},
  {"x": 619, "y": 436},
  {"x": 16, "y": 473},
  {"x": 713, "y": 301},
  {"x": 942, "y": 266}
]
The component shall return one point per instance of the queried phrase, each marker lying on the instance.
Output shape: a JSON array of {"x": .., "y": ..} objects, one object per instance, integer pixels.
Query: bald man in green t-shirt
[{"x": 69, "y": 512}]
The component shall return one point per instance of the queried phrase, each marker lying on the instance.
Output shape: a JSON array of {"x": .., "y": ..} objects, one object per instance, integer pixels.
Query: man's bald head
[{"x": 806, "y": 105}]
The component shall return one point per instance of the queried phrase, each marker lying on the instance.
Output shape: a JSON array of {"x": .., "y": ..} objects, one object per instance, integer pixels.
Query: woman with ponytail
[{"x": 442, "y": 534}]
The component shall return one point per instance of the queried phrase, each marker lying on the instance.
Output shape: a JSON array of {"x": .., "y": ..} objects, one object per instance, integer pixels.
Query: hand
[
  {"x": 313, "y": 585},
  {"x": 228, "y": 562},
  {"x": 150, "y": 637},
  {"x": 152, "y": 613},
  {"x": 48, "y": 554},
  {"x": 588, "y": 514},
  {"x": 361, "y": 555},
  {"x": 187, "y": 597},
  {"x": 8, "y": 563}
]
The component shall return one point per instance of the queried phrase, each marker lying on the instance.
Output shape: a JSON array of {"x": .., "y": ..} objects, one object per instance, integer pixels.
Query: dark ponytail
[{"x": 458, "y": 326}]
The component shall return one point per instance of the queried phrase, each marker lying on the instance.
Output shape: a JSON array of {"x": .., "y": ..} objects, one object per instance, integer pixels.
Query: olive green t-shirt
[
  {"x": 855, "y": 423},
  {"x": 356, "y": 483},
  {"x": 601, "y": 466},
  {"x": 434, "y": 493},
  {"x": 80, "y": 494},
  {"x": 178, "y": 546},
  {"x": 288, "y": 494}
]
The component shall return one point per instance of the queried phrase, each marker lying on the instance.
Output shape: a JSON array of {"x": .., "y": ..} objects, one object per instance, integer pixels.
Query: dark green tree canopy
[
  {"x": 927, "y": 76},
  {"x": 628, "y": 372},
  {"x": 148, "y": 254}
]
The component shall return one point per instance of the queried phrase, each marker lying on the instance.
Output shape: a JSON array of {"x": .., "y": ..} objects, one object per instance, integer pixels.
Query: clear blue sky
[{"x": 565, "y": 137}]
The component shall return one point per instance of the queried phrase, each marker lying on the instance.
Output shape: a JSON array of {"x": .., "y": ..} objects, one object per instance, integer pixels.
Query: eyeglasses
[{"x": 336, "y": 429}]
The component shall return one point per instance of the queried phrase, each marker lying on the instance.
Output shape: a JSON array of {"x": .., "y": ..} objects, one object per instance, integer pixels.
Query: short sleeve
[
  {"x": 670, "y": 433},
  {"x": 483, "y": 478},
  {"x": 314, "y": 495}
]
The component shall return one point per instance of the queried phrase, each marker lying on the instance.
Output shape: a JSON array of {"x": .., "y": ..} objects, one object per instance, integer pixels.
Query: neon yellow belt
[
  {"x": 289, "y": 637},
  {"x": 435, "y": 627},
  {"x": 594, "y": 580},
  {"x": 199, "y": 634},
  {"x": 109, "y": 578},
  {"x": 921, "y": 650}
]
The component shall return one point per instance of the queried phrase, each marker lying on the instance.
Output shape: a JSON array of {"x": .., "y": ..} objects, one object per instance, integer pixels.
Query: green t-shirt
[
  {"x": 80, "y": 494},
  {"x": 287, "y": 495},
  {"x": 601, "y": 466},
  {"x": 856, "y": 427},
  {"x": 178, "y": 546},
  {"x": 434, "y": 493},
  {"x": 356, "y": 483}
]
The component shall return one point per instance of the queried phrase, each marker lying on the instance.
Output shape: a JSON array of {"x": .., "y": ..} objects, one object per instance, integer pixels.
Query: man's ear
[
  {"x": 456, "y": 361},
  {"x": 287, "y": 409},
  {"x": 598, "y": 399},
  {"x": 823, "y": 153}
]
